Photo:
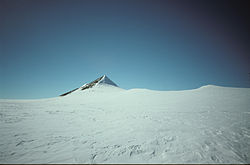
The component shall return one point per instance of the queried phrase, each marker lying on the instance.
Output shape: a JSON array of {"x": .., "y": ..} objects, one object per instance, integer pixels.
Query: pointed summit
[{"x": 104, "y": 80}]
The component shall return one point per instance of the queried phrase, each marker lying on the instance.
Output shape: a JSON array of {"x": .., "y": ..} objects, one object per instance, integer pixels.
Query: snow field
[{"x": 106, "y": 124}]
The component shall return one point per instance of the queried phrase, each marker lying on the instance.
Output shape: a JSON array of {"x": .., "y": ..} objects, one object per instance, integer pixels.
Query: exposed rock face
[{"x": 91, "y": 84}]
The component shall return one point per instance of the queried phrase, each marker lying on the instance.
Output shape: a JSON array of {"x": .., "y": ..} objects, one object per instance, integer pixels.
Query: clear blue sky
[{"x": 48, "y": 47}]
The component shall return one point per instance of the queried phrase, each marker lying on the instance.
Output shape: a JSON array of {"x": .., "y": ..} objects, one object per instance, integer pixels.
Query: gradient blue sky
[{"x": 49, "y": 47}]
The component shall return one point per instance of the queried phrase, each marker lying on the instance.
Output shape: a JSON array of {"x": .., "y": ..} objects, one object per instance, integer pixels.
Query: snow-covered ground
[{"x": 107, "y": 124}]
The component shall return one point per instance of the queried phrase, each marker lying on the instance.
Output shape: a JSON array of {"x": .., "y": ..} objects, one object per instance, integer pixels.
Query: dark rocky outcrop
[{"x": 68, "y": 92}]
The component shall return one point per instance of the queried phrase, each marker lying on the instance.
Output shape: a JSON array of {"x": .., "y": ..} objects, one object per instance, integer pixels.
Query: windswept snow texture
[{"x": 106, "y": 124}]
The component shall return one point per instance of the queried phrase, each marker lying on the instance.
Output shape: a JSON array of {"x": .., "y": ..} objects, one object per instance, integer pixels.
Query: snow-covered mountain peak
[{"x": 103, "y": 80}]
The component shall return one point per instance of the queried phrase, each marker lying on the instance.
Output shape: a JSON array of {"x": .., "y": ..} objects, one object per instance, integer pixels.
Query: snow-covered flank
[{"x": 106, "y": 124}]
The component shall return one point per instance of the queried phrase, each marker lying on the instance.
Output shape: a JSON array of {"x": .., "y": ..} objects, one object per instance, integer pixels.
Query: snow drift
[{"x": 102, "y": 123}]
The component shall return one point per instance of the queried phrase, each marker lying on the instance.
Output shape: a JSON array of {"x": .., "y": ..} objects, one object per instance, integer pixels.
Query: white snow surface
[{"x": 107, "y": 124}]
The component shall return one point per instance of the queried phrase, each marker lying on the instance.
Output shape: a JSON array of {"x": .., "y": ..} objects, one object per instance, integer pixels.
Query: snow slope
[{"x": 107, "y": 124}]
